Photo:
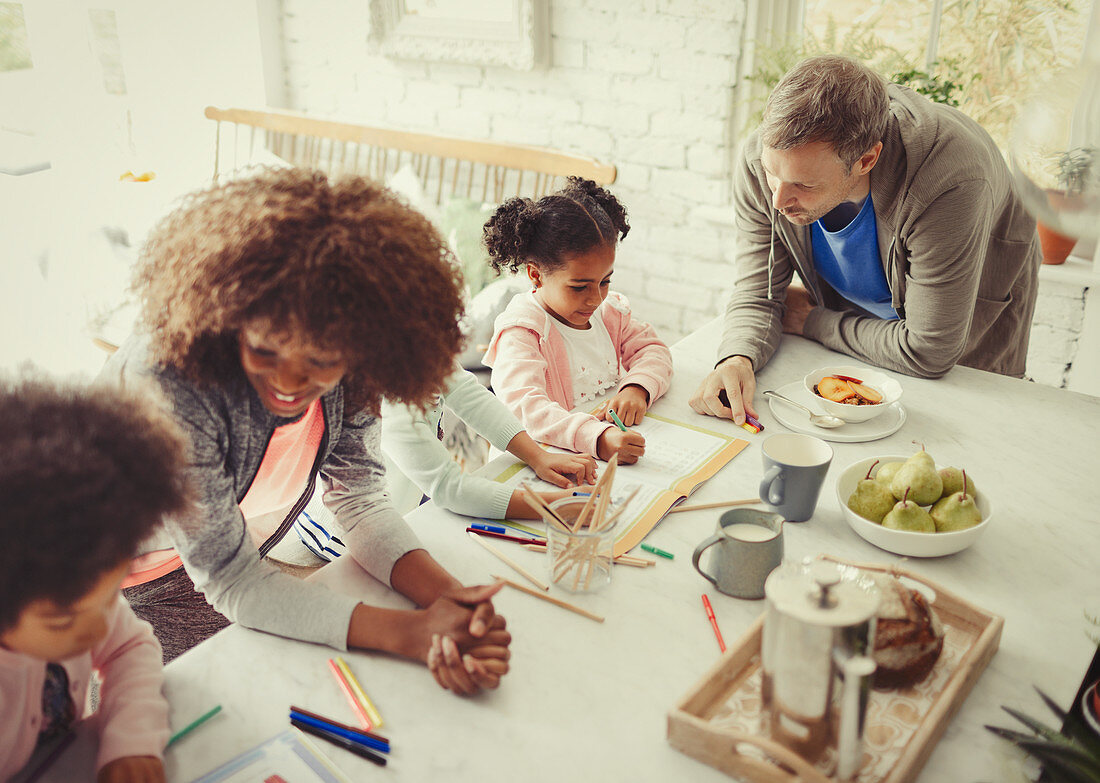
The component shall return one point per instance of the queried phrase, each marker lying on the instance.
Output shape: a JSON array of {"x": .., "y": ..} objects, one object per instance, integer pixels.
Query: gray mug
[
  {"x": 747, "y": 547},
  {"x": 794, "y": 470}
]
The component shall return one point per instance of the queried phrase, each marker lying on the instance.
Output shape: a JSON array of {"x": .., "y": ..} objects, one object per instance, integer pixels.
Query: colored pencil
[
  {"x": 503, "y": 536},
  {"x": 719, "y": 504},
  {"x": 714, "y": 622},
  {"x": 637, "y": 562},
  {"x": 352, "y": 734},
  {"x": 349, "y": 694},
  {"x": 550, "y": 599},
  {"x": 615, "y": 418},
  {"x": 754, "y": 421},
  {"x": 510, "y": 563},
  {"x": 338, "y": 724},
  {"x": 542, "y": 509},
  {"x": 192, "y": 726},
  {"x": 360, "y": 694},
  {"x": 340, "y": 742}
]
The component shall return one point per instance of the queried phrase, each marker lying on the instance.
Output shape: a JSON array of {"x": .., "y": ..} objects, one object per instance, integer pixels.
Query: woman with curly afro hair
[{"x": 277, "y": 311}]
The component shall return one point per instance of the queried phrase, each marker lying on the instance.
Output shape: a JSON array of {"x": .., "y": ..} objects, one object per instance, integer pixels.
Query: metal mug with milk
[{"x": 747, "y": 546}]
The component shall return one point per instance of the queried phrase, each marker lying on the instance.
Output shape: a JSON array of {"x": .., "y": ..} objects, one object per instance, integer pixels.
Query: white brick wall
[{"x": 646, "y": 85}]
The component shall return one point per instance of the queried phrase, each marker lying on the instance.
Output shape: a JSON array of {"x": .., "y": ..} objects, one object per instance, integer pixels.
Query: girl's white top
[{"x": 592, "y": 358}]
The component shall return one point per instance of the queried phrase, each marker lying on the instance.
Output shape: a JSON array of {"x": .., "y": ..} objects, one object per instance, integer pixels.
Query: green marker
[
  {"x": 656, "y": 551},
  {"x": 192, "y": 726},
  {"x": 615, "y": 418}
]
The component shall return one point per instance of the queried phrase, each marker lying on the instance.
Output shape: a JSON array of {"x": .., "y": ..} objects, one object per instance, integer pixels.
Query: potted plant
[
  {"x": 1073, "y": 170},
  {"x": 1069, "y": 755}
]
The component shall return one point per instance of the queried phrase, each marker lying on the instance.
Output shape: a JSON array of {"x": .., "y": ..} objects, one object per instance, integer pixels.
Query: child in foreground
[
  {"x": 567, "y": 341},
  {"x": 83, "y": 478}
]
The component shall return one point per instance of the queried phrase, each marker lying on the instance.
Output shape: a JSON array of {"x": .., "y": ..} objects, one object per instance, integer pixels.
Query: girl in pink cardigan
[
  {"x": 569, "y": 339},
  {"x": 85, "y": 476}
]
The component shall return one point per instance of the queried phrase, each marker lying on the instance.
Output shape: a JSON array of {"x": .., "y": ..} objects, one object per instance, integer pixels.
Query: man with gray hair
[{"x": 899, "y": 217}]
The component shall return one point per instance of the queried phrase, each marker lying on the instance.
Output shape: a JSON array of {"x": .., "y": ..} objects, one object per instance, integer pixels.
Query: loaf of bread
[{"x": 909, "y": 636}]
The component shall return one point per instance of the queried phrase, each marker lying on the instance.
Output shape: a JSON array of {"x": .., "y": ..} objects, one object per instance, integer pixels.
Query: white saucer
[{"x": 886, "y": 423}]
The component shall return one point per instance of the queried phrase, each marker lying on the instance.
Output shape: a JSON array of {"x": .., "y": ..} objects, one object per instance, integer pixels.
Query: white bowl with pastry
[
  {"x": 852, "y": 393},
  {"x": 905, "y": 542}
]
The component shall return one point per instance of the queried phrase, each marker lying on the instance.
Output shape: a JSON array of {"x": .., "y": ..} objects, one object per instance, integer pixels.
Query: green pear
[
  {"x": 953, "y": 481},
  {"x": 907, "y": 515},
  {"x": 918, "y": 480},
  {"x": 956, "y": 511},
  {"x": 887, "y": 472},
  {"x": 871, "y": 500}
]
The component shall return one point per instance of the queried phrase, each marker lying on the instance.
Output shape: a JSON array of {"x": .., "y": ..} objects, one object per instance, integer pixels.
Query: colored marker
[
  {"x": 714, "y": 623},
  {"x": 192, "y": 726},
  {"x": 487, "y": 528},
  {"x": 341, "y": 742},
  {"x": 750, "y": 428},
  {"x": 504, "y": 536},
  {"x": 582, "y": 494},
  {"x": 615, "y": 418},
  {"x": 654, "y": 550},
  {"x": 347, "y": 733},
  {"x": 754, "y": 421},
  {"x": 338, "y": 724},
  {"x": 360, "y": 695}
]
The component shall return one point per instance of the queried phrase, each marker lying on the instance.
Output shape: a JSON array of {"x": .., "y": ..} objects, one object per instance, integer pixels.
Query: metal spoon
[{"x": 823, "y": 420}]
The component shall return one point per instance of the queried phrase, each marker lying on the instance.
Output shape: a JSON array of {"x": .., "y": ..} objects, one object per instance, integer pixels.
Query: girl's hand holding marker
[{"x": 630, "y": 446}]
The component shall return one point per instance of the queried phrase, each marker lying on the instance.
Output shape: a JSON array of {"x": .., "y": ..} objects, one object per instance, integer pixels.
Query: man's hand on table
[
  {"x": 736, "y": 378},
  {"x": 798, "y": 307}
]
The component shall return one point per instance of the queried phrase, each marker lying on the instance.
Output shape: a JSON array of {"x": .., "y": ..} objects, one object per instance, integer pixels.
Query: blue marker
[
  {"x": 582, "y": 494},
  {"x": 353, "y": 736},
  {"x": 489, "y": 528}
]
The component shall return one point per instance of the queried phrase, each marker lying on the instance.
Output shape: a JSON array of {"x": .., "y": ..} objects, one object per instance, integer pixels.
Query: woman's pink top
[{"x": 280, "y": 480}]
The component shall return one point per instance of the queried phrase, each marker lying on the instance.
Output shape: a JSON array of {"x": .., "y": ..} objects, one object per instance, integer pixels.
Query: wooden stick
[
  {"x": 622, "y": 507},
  {"x": 544, "y": 510},
  {"x": 600, "y": 514},
  {"x": 720, "y": 504},
  {"x": 590, "y": 506},
  {"x": 510, "y": 563},
  {"x": 550, "y": 599},
  {"x": 629, "y": 560}
]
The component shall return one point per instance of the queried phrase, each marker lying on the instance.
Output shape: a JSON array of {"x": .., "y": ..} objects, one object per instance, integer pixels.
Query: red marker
[{"x": 714, "y": 623}]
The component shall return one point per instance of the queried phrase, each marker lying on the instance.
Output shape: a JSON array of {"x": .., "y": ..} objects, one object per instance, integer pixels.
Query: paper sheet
[{"x": 678, "y": 458}]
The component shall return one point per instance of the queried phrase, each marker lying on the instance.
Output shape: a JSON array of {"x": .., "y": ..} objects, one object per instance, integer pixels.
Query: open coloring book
[{"x": 678, "y": 458}]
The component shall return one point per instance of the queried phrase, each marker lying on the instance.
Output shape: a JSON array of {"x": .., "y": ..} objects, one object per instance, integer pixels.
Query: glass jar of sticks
[{"x": 581, "y": 554}]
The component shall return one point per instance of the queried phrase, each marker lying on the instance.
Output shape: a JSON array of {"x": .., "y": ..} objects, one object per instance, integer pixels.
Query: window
[{"x": 986, "y": 56}]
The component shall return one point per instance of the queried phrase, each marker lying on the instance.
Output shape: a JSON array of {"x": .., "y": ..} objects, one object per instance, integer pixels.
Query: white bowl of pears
[{"x": 910, "y": 506}]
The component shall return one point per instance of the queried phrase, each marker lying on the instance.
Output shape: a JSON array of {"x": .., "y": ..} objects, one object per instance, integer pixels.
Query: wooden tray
[{"x": 717, "y": 722}]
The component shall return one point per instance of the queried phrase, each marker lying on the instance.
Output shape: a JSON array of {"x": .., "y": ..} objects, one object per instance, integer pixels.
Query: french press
[{"x": 816, "y": 655}]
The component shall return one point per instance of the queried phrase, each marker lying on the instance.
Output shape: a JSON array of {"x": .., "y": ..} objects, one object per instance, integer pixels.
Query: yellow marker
[{"x": 368, "y": 705}]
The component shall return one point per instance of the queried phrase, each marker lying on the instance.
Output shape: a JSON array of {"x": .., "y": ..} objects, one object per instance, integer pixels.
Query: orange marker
[{"x": 714, "y": 623}]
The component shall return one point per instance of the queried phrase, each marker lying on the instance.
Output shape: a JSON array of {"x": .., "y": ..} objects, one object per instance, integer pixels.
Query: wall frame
[{"x": 512, "y": 33}]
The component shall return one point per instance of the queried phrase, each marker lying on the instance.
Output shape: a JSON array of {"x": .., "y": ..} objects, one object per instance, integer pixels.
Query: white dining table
[{"x": 589, "y": 701}]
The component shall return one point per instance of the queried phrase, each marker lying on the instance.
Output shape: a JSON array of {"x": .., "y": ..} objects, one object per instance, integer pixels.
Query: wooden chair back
[{"x": 445, "y": 166}]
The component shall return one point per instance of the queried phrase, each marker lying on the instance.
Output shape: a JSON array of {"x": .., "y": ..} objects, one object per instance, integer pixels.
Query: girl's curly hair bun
[{"x": 577, "y": 218}]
